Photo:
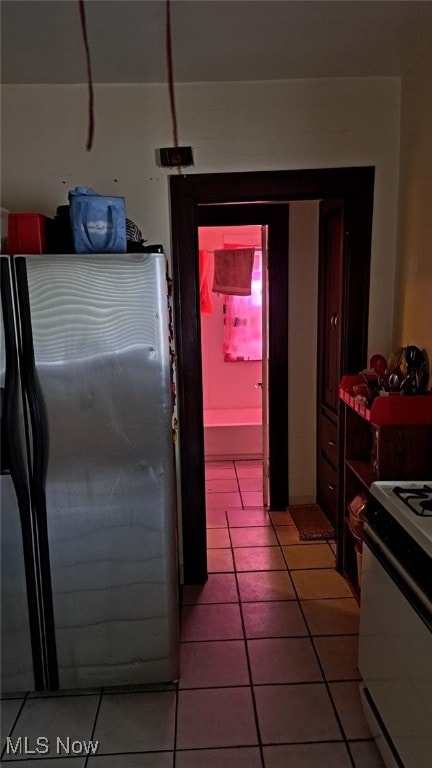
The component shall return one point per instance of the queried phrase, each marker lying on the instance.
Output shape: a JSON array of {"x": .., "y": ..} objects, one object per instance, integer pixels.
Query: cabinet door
[
  {"x": 330, "y": 301},
  {"x": 327, "y": 491}
]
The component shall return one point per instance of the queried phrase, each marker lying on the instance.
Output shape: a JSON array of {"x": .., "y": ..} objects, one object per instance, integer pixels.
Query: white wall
[
  {"x": 232, "y": 127},
  {"x": 414, "y": 285},
  {"x": 302, "y": 349}
]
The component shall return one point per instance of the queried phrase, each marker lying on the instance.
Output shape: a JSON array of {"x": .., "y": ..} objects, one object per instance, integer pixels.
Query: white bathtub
[{"x": 233, "y": 433}]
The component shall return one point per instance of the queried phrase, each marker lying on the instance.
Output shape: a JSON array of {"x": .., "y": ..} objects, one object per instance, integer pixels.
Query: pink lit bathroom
[{"x": 231, "y": 348}]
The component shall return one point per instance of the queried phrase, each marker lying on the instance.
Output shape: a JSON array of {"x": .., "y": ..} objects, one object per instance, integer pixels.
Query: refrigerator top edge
[{"x": 140, "y": 256}]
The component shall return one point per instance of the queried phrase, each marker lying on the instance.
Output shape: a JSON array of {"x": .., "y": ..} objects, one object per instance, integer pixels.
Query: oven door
[{"x": 395, "y": 658}]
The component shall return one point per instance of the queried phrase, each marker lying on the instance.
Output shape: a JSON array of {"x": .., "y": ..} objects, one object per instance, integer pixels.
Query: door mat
[{"x": 311, "y": 522}]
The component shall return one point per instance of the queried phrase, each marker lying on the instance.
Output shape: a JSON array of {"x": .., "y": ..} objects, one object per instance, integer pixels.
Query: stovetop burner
[
  {"x": 418, "y": 499},
  {"x": 408, "y": 502}
]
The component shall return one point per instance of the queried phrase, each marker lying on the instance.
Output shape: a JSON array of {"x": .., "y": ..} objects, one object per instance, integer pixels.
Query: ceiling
[{"x": 212, "y": 40}]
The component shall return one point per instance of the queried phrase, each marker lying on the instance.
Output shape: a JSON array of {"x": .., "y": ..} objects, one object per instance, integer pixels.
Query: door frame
[{"x": 188, "y": 196}]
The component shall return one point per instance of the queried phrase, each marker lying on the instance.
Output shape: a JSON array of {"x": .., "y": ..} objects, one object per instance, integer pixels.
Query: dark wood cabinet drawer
[
  {"x": 329, "y": 440},
  {"x": 328, "y": 490}
]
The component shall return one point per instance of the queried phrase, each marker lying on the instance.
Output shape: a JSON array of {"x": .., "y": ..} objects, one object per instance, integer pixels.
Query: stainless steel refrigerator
[{"x": 89, "y": 573}]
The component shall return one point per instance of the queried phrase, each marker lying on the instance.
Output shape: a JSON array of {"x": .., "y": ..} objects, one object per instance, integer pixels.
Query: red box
[
  {"x": 27, "y": 233},
  {"x": 392, "y": 408}
]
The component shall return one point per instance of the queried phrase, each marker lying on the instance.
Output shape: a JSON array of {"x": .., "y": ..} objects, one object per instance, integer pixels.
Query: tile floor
[{"x": 268, "y": 662}]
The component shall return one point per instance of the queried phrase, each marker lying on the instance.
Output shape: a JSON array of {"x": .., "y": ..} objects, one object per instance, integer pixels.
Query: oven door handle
[{"x": 419, "y": 602}]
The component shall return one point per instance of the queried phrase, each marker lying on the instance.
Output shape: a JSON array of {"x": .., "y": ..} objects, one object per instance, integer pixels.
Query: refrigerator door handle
[
  {"x": 14, "y": 465},
  {"x": 10, "y": 391},
  {"x": 37, "y": 464},
  {"x": 31, "y": 388}
]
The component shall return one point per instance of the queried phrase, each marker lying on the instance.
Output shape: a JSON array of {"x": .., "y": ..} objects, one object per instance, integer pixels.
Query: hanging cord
[
  {"x": 170, "y": 71},
  {"x": 90, "y": 132}
]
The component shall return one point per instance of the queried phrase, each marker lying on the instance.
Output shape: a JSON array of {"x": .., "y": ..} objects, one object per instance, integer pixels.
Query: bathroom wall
[
  {"x": 226, "y": 385},
  {"x": 228, "y": 388}
]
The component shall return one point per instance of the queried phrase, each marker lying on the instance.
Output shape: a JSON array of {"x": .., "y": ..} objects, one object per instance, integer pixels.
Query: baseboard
[{"x": 301, "y": 500}]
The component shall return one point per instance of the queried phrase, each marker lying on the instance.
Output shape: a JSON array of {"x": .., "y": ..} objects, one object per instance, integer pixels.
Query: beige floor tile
[
  {"x": 219, "y": 588},
  {"x": 346, "y": 697},
  {"x": 56, "y": 717},
  {"x": 307, "y": 756},
  {"x": 287, "y": 534},
  {"x": 220, "y": 464},
  {"x": 223, "y": 500},
  {"x": 281, "y": 518},
  {"x": 273, "y": 619},
  {"x": 219, "y": 561},
  {"x": 319, "y": 583},
  {"x": 258, "y": 536},
  {"x": 136, "y": 722},
  {"x": 213, "y": 664},
  {"x": 304, "y": 556},
  {"x": 238, "y": 518},
  {"x": 220, "y": 485},
  {"x": 332, "y": 616},
  {"x": 259, "y": 559},
  {"x": 9, "y": 712},
  {"x": 220, "y": 473},
  {"x": 240, "y": 757},
  {"x": 218, "y": 538},
  {"x": 338, "y": 656},
  {"x": 12, "y": 695},
  {"x": 215, "y": 717},
  {"x": 283, "y": 660},
  {"x": 141, "y": 760},
  {"x": 58, "y": 762},
  {"x": 216, "y": 518},
  {"x": 265, "y": 585},
  {"x": 64, "y": 692},
  {"x": 216, "y": 722},
  {"x": 211, "y": 622},
  {"x": 249, "y": 471},
  {"x": 366, "y": 754},
  {"x": 295, "y": 713},
  {"x": 252, "y": 498},
  {"x": 248, "y": 484}
]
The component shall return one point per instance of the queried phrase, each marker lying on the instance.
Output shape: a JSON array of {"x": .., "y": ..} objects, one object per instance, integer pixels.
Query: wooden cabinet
[
  {"x": 328, "y": 463},
  {"x": 331, "y": 261},
  {"x": 332, "y": 234},
  {"x": 343, "y": 281},
  {"x": 390, "y": 441}
]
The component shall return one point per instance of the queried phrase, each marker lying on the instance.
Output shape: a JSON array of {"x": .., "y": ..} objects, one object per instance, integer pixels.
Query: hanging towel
[
  {"x": 233, "y": 271},
  {"x": 205, "y": 300}
]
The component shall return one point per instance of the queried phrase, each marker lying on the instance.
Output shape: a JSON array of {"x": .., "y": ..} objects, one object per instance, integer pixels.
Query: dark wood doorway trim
[{"x": 187, "y": 194}]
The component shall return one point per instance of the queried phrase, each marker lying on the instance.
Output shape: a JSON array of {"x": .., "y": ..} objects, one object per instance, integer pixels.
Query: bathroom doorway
[
  {"x": 192, "y": 196},
  {"x": 234, "y": 356},
  {"x": 274, "y": 218}
]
